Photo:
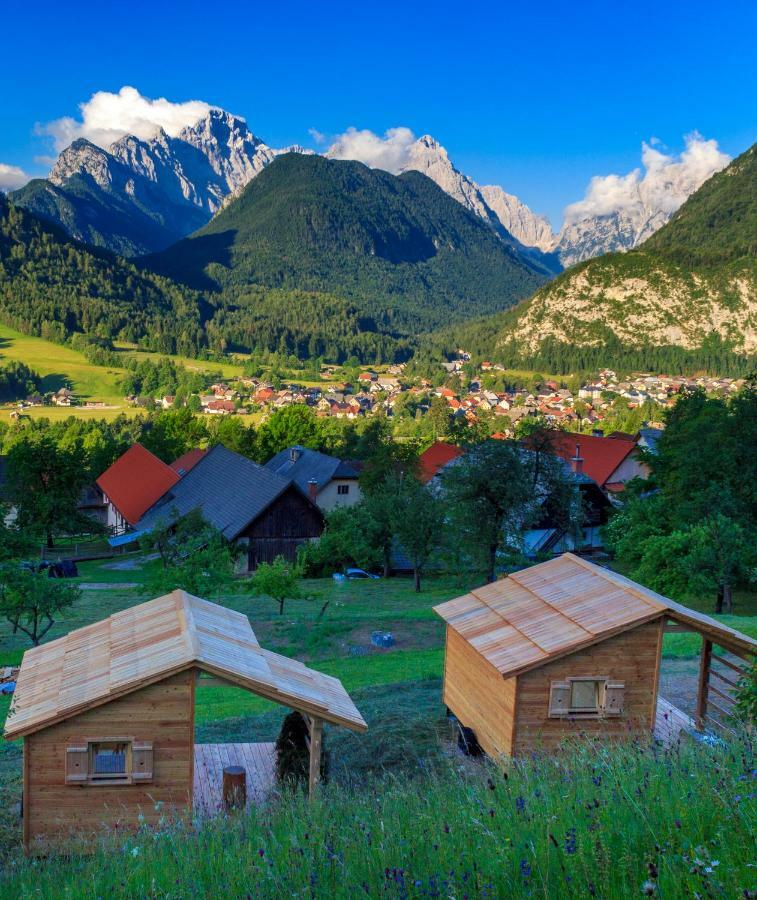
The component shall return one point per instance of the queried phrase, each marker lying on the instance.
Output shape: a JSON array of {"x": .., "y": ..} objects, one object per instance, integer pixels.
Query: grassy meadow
[
  {"x": 631, "y": 821},
  {"x": 400, "y": 799}
]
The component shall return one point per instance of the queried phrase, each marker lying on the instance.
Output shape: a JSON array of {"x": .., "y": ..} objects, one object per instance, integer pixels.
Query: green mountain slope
[
  {"x": 692, "y": 284},
  {"x": 402, "y": 251},
  {"x": 53, "y": 286}
]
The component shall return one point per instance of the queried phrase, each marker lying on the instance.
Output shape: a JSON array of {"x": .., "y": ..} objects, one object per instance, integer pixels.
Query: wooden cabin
[
  {"x": 106, "y": 714},
  {"x": 567, "y": 647}
]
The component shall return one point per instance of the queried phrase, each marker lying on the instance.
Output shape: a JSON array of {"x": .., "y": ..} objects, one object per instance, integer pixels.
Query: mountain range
[
  {"x": 691, "y": 282},
  {"x": 141, "y": 196},
  {"x": 398, "y": 247},
  {"x": 237, "y": 245}
]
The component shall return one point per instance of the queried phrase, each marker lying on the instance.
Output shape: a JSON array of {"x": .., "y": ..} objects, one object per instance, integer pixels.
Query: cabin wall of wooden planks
[
  {"x": 632, "y": 657},
  {"x": 55, "y": 811},
  {"x": 478, "y": 695}
]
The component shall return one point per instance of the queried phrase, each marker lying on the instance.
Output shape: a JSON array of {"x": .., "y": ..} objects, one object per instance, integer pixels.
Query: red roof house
[
  {"x": 609, "y": 461},
  {"x": 134, "y": 482},
  {"x": 187, "y": 460},
  {"x": 435, "y": 457}
]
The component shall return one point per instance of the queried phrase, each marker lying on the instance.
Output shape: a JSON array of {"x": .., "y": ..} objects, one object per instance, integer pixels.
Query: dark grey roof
[
  {"x": 230, "y": 491},
  {"x": 309, "y": 465}
]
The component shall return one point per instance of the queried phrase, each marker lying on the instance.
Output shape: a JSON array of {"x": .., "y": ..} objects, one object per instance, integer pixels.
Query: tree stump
[{"x": 234, "y": 787}]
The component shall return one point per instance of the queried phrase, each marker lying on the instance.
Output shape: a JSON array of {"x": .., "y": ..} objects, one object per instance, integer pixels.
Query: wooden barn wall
[
  {"x": 631, "y": 657},
  {"x": 478, "y": 695},
  {"x": 161, "y": 713},
  {"x": 287, "y": 523}
]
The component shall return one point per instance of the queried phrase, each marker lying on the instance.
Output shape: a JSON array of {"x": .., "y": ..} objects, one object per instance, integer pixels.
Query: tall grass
[{"x": 594, "y": 821}]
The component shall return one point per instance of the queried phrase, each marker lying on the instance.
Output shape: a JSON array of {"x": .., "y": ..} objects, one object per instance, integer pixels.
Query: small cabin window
[
  {"x": 589, "y": 696},
  {"x": 343, "y": 489},
  {"x": 114, "y": 761},
  {"x": 109, "y": 761},
  {"x": 585, "y": 696}
]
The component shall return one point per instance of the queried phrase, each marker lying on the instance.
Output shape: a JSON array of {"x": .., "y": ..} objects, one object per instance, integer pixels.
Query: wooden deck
[
  {"x": 258, "y": 760},
  {"x": 670, "y": 722}
]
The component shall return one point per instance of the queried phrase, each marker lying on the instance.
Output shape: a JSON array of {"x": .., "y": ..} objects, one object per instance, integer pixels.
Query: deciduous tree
[{"x": 31, "y": 601}]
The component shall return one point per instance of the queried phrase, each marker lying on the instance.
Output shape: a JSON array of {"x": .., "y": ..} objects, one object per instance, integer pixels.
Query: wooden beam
[
  {"x": 714, "y": 672},
  {"x": 731, "y": 665},
  {"x": 721, "y": 694},
  {"x": 723, "y": 712},
  {"x": 675, "y": 628},
  {"x": 704, "y": 678},
  {"x": 26, "y": 796},
  {"x": 316, "y": 740}
]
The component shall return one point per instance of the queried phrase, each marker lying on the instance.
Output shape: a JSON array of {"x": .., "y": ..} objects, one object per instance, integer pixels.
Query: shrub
[{"x": 292, "y": 754}]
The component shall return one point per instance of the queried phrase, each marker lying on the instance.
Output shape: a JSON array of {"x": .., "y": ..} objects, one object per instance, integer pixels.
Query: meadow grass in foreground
[{"x": 594, "y": 821}]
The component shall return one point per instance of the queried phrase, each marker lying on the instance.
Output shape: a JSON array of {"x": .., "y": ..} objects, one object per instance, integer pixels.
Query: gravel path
[{"x": 107, "y": 585}]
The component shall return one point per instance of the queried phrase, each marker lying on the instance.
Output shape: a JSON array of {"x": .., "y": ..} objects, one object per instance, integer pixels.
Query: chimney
[
  {"x": 312, "y": 490},
  {"x": 294, "y": 454},
  {"x": 577, "y": 461}
]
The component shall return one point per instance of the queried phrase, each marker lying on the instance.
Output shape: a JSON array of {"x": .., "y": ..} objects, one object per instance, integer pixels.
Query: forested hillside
[
  {"x": 692, "y": 285},
  {"x": 52, "y": 286},
  {"x": 402, "y": 251}
]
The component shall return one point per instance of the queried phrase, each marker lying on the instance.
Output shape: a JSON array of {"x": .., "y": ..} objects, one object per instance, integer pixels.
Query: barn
[
  {"x": 266, "y": 514},
  {"x": 567, "y": 647},
  {"x": 107, "y": 715}
]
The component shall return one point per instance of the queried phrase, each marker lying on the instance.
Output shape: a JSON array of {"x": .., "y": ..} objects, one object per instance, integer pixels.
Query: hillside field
[
  {"x": 402, "y": 783},
  {"x": 398, "y": 690}
]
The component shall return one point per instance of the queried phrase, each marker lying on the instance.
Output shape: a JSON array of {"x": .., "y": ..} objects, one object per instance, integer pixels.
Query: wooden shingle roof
[
  {"x": 557, "y": 607},
  {"x": 149, "y": 642}
]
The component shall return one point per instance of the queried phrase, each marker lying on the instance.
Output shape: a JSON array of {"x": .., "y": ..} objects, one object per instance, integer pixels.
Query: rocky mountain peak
[{"x": 82, "y": 157}]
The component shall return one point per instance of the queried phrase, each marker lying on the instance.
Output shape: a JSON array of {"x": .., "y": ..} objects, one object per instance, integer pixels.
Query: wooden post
[
  {"x": 234, "y": 787},
  {"x": 316, "y": 738},
  {"x": 704, "y": 680}
]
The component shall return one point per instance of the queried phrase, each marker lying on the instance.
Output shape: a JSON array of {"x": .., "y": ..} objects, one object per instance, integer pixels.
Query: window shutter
[
  {"x": 141, "y": 761},
  {"x": 614, "y": 692},
  {"x": 559, "y": 699},
  {"x": 77, "y": 763}
]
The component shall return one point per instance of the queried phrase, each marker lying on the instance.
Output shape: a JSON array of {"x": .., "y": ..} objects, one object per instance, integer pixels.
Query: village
[{"x": 473, "y": 393}]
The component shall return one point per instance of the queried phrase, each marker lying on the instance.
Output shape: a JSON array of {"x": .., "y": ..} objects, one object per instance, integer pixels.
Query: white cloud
[
  {"x": 390, "y": 152},
  {"x": 106, "y": 117},
  {"x": 318, "y": 136},
  {"x": 11, "y": 177},
  {"x": 661, "y": 184}
]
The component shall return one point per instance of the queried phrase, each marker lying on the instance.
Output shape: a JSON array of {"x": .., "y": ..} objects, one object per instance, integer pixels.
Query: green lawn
[{"x": 61, "y": 366}]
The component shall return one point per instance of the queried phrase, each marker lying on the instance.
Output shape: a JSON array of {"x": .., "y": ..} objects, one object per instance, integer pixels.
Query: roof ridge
[{"x": 184, "y": 608}]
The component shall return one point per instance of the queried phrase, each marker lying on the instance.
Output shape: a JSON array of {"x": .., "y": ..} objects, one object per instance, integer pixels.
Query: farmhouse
[
  {"x": 250, "y": 505},
  {"x": 609, "y": 461},
  {"x": 434, "y": 458},
  {"x": 131, "y": 485},
  {"x": 107, "y": 716},
  {"x": 565, "y": 648},
  {"x": 327, "y": 480}
]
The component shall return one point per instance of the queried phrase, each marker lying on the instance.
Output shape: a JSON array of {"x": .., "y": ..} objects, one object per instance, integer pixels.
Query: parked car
[{"x": 359, "y": 573}]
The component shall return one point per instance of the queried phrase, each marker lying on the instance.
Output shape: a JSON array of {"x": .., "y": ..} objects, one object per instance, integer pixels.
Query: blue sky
[{"x": 535, "y": 97}]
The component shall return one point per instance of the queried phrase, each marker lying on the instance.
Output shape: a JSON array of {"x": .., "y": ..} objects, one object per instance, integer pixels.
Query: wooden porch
[
  {"x": 671, "y": 723},
  {"x": 258, "y": 761}
]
